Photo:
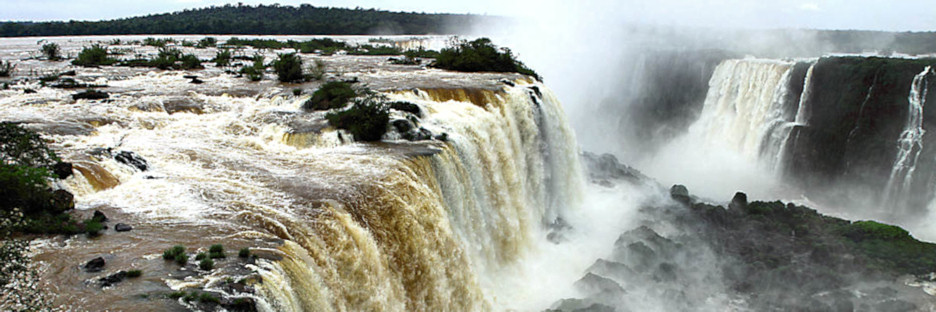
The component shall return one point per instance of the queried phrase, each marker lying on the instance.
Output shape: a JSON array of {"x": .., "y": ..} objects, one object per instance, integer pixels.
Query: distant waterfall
[
  {"x": 745, "y": 109},
  {"x": 910, "y": 143}
]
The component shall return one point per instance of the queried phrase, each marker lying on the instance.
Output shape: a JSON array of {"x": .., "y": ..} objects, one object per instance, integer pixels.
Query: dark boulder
[
  {"x": 680, "y": 194},
  {"x": 62, "y": 201},
  {"x": 29, "y": 91},
  {"x": 122, "y": 227},
  {"x": 407, "y": 107},
  {"x": 62, "y": 170},
  {"x": 113, "y": 279},
  {"x": 403, "y": 125},
  {"x": 95, "y": 265},
  {"x": 244, "y": 304},
  {"x": 99, "y": 216},
  {"x": 90, "y": 95},
  {"x": 131, "y": 159},
  {"x": 418, "y": 135},
  {"x": 739, "y": 201}
]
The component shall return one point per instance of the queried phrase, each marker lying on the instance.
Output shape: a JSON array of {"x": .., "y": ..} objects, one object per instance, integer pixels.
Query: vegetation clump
[
  {"x": 206, "y": 264},
  {"x": 255, "y": 71},
  {"x": 481, "y": 55},
  {"x": 177, "y": 254},
  {"x": 244, "y": 252},
  {"x": 216, "y": 251},
  {"x": 366, "y": 119},
  {"x": 222, "y": 58},
  {"x": 331, "y": 95},
  {"x": 134, "y": 273},
  {"x": 51, "y": 51},
  {"x": 95, "y": 55},
  {"x": 207, "y": 42},
  {"x": 6, "y": 68},
  {"x": 288, "y": 68}
]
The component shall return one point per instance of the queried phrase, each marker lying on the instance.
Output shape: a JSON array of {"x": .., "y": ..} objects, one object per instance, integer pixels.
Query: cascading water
[
  {"x": 909, "y": 145},
  {"x": 745, "y": 110},
  {"x": 392, "y": 226}
]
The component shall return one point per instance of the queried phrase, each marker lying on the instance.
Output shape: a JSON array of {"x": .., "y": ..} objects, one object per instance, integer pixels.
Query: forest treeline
[{"x": 257, "y": 20}]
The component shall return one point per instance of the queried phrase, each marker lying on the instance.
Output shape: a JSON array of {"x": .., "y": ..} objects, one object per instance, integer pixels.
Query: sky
[{"x": 892, "y": 15}]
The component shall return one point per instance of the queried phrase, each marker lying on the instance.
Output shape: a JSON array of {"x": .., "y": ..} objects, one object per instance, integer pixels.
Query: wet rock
[
  {"x": 665, "y": 272},
  {"x": 68, "y": 73},
  {"x": 99, "y": 216},
  {"x": 895, "y": 305},
  {"x": 174, "y": 105},
  {"x": 418, "y": 135},
  {"x": 131, "y": 159},
  {"x": 62, "y": 201},
  {"x": 442, "y": 137},
  {"x": 122, "y": 227},
  {"x": 680, "y": 194},
  {"x": 244, "y": 304},
  {"x": 28, "y": 91},
  {"x": 508, "y": 82},
  {"x": 407, "y": 107},
  {"x": 614, "y": 270},
  {"x": 196, "y": 81},
  {"x": 739, "y": 201},
  {"x": 113, "y": 279},
  {"x": 95, "y": 265},
  {"x": 62, "y": 170},
  {"x": 595, "y": 285},
  {"x": 639, "y": 256},
  {"x": 606, "y": 166},
  {"x": 403, "y": 125},
  {"x": 90, "y": 95}
]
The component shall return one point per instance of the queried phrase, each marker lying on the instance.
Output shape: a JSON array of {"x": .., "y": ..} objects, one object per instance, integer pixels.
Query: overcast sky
[{"x": 916, "y": 15}]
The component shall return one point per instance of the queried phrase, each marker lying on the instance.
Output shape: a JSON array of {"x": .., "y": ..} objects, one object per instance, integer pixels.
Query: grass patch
[
  {"x": 177, "y": 254},
  {"x": 244, "y": 252}
]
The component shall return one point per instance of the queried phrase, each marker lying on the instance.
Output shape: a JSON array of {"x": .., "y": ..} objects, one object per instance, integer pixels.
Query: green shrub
[
  {"x": 181, "y": 259},
  {"x": 157, "y": 42},
  {"x": 481, "y": 56},
  {"x": 868, "y": 230},
  {"x": 366, "y": 120},
  {"x": 134, "y": 273},
  {"x": 171, "y": 253},
  {"x": 186, "y": 43},
  {"x": 51, "y": 51},
  {"x": 244, "y": 252},
  {"x": 334, "y": 94},
  {"x": 201, "y": 256},
  {"x": 317, "y": 72},
  {"x": 207, "y": 42},
  {"x": 255, "y": 72},
  {"x": 216, "y": 248},
  {"x": 6, "y": 68},
  {"x": 190, "y": 61},
  {"x": 206, "y": 264},
  {"x": 177, "y": 294},
  {"x": 94, "y": 55},
  {"x": 421, "y": 53},
  {"x": 93, "y": 227},
  {"x": 222, "y": 58},
  {"x": 208, "y": 298},
  {"x": 288, "y": 68}
]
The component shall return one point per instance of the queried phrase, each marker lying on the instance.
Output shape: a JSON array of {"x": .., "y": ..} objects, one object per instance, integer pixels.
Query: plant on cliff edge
[
  {"x": 366, "y": 119},
  {"x": 481, "y": 55}
]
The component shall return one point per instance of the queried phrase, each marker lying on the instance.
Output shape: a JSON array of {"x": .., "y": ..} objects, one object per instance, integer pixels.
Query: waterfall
[
  {"x": 745, "y": 111},
  {"x": 431, "y": 233},
  {"x": 909, "y": 145}
]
